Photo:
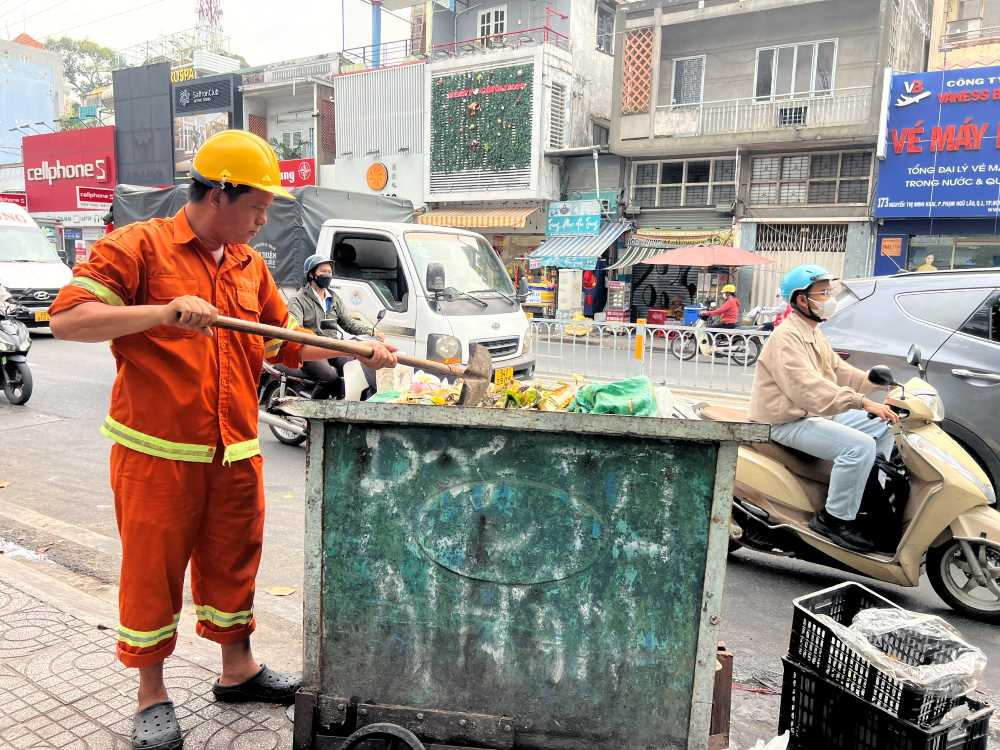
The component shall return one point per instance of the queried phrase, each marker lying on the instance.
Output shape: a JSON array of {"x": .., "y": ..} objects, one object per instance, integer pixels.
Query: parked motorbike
[
  {"x": 14, "y": 345},
  {"x": 927, "y": 505},
  {"x": 738, "y": 344},
  {"x": 278, "y": 382}
]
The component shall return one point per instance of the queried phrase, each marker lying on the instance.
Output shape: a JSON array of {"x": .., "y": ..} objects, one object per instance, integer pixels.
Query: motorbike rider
[
  {"x": 316, "y": 302},
  {"x": 728, "y": 312},
  {"x": 817, "y": 404}
]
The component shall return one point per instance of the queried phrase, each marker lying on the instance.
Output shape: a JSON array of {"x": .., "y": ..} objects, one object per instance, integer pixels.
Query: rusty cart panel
[{"x": 502, "y": 579}]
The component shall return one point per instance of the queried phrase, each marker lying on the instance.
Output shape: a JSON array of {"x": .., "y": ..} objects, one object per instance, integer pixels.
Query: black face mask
[{"x": 324, "y": 281}]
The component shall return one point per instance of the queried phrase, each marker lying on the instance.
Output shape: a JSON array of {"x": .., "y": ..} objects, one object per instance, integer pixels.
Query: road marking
[
  {"x": 17, "y": 417},
  {"x": 84, "y": 537}
]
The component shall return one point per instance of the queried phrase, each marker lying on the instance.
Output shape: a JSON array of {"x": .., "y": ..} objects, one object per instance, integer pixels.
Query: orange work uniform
[{"x": 186, "y": 465}]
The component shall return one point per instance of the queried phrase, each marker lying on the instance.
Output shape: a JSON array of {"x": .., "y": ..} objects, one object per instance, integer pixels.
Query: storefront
[
  {"x": 938, "y": 193},
  {"x": 69, "y": 179}
]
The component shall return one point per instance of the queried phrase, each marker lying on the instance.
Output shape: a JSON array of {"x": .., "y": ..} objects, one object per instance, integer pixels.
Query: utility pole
[{"x": 376, "y": 33}]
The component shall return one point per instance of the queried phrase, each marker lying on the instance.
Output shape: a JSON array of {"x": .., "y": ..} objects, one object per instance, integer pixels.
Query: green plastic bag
[
  {"x": 631, "y": 398},
  {"x": 388, "y": 397}
]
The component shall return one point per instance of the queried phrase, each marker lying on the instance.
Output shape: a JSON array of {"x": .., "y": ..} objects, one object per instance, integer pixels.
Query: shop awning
[
  {"x": 635, "y": 254},
  {"x": 577, "y": 252},
  {"x": 478, "y": 218}
]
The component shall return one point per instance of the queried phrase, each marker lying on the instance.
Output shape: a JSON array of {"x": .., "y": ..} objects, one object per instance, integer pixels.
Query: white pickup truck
[{"x": 442, "y": 290}]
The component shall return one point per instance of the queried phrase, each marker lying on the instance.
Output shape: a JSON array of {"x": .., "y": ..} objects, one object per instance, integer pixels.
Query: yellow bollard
[{"x": 640, "y": 339}]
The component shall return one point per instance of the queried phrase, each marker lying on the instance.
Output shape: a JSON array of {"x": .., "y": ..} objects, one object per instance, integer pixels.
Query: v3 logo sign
[{"x": 915, "y": 93}]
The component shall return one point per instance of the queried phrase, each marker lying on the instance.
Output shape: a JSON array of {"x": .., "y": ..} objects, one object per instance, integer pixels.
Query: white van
[
  {"x": 30, "y": 268},
  {"x": 442, "y": 289}
]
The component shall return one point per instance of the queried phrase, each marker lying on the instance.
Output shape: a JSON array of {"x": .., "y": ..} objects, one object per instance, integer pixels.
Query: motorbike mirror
[
  {"x": 381, "y": 314},
  {"x": 435, "y": 278},
  {"x": 881, "y": 375},
  {"x": 914, "y": 357}
]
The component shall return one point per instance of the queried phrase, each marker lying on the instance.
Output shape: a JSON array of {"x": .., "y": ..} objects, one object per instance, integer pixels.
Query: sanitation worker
[{"x": 186, "y": 463}]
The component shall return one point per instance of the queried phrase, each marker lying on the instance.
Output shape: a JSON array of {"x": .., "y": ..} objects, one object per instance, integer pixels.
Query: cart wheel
[{"x": 391, "y": 737}]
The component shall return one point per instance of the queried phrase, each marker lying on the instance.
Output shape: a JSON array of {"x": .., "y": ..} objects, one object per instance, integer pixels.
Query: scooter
[
  {"x": 737, "y": 344},
  {"x": 278, "y": 382},
  {"x": 927, "y": 505},
  {"x": 14, "y": 345}
]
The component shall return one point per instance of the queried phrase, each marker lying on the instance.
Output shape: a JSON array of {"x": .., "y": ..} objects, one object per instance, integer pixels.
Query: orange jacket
[
  {"x": 729, "y": 312},
  {"x": 180, "y": 394}
]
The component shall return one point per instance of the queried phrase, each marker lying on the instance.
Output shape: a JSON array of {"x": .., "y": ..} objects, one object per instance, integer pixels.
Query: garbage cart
[{"x": 481, "y": 578}]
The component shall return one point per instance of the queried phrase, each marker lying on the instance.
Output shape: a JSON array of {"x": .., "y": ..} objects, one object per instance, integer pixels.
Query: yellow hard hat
[
  {"x": 236, "y": 157},
  {"x": 729, "y": 289}
]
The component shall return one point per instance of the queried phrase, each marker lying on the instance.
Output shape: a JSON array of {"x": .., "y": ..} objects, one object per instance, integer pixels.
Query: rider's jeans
[{"x": 850, "y": 440}]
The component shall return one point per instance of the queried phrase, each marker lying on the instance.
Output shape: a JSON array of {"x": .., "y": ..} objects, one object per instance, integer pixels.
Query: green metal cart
[{"x": 504, "y": 579}]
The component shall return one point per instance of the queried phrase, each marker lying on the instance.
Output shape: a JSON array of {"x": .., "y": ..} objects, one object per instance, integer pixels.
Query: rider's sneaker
[{"x": 846, "y": 534}]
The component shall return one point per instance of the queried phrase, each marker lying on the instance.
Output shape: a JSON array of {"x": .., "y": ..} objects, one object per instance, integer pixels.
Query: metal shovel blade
[{"x": 476, "y": 378}]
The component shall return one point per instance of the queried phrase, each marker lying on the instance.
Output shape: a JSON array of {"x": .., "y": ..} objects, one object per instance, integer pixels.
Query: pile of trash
[{"x": 635, "y": 397}]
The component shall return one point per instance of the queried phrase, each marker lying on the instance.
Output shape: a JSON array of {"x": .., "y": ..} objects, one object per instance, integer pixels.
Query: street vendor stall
[{"x": 511, "y": 579}]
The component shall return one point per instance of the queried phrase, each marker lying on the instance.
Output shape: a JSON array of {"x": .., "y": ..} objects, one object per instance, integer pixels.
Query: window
[
  {"x": 985, "y": 322},
  {"x": 600, "y": 135},
  {"x": 373, "y": 260},
  {"x": 795, "y": 70},
  {"x": 689, "y": 79},
  {"x": 695, "y": 183},
  {"x": 946, "y": 308},
  {"x": 492, "y": 22},
  {"x": 942, "y": 253},
  {"x": 803, "y": 179},
  {"x": 605, "y": 29}
]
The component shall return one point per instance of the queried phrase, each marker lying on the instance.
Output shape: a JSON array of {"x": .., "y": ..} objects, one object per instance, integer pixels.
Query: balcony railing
[
  {"x": 296, "y": 71},
  {"x": 511, "y": 40},
  {"x": 839, "y": 107},
  {"x": 382, "y": 55},
  {"x": 964, "y": 32}
]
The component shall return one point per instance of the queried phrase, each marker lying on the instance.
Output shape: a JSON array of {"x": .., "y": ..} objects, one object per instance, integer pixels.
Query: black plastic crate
[
  {"x": 823, "y": 716},
  {"x": 815, "y": 645}
]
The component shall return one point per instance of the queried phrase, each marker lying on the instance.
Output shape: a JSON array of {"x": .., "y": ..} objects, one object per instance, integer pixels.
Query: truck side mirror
[
  {"x": 523, "y": 290},
  {"x": 435, "y": 281}
]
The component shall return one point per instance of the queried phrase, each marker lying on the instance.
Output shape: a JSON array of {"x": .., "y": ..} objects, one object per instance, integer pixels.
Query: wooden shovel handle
[{"x": 355, "y": 348}]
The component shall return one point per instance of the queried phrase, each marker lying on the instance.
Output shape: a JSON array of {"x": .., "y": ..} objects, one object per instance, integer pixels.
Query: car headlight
[
  {"x": 934, "y": 404},
  {"x": 444, "y": 348}
]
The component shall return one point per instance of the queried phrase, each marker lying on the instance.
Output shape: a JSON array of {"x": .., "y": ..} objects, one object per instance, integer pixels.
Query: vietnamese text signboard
[
  {"x": 573, "y": 218},
  {"x": 942, "y": 150}
]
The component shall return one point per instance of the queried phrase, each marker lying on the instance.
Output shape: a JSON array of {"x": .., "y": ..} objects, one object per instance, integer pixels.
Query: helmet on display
[
  {"x": 312, "y": 262},
  {"x": 801, "y": 278},
  {"x": 236, "y": 157},
  {"x": 729, "y": 289}
]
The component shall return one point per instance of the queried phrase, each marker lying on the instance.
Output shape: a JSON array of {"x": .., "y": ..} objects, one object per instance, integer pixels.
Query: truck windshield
[
  {"x": 25, "y": 244},
  {"x": 470, "y": 265}
]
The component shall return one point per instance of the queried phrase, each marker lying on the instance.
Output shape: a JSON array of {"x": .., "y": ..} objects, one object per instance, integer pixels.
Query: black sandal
[
  {"x": 156, "y": 728},
  {"x": 267, "y": 686}
]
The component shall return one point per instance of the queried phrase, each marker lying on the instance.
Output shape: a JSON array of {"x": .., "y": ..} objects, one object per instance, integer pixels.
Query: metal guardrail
[{"x": 708, "y": 359}]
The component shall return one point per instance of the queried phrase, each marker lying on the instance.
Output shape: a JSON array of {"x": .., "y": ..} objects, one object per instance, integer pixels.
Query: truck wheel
[
  {"x": 954, "y": 578},
  {"x": 393, "y": 737},
  {"x": 17, "y": 383},
  {"x": 284, "y": 436}
]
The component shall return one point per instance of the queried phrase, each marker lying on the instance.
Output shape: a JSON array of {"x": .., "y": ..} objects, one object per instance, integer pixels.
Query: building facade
[
  {"x": 755, "y": 123},
  {"x": 964, "y": 34}
]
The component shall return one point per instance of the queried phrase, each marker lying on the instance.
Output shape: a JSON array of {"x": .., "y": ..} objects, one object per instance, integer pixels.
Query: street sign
[{"x": 574, "y": 219}]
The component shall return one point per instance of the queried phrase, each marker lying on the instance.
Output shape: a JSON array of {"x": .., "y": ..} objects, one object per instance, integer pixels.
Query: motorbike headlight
[
  {"x": 934, "y": 404},
  {"x": 928, "y": 448},
  {"x": 444, "y": 348},
  {"x": 5, "y": 347}
]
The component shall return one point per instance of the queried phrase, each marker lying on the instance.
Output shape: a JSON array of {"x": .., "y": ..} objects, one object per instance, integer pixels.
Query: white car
[{"x": 30, "y": 268}]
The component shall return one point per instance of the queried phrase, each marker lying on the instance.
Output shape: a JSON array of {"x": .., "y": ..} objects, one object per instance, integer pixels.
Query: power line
[{"x": 45, "y": 10}]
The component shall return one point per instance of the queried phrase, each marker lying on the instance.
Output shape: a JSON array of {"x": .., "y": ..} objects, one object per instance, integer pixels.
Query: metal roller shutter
[{"x": 791, "y": 245}]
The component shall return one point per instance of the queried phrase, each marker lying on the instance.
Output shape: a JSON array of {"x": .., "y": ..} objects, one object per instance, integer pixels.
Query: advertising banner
[
  {"x": 297, "y": 172},
  {"x": 190, "y": 131},
  {"x": 94, "y": 198},
  {"x": 56, "y": 164},
  {"x": 574, "y": 219},
  {"x": 18, "y": 199},
  {"x": 942, "y": 149}
]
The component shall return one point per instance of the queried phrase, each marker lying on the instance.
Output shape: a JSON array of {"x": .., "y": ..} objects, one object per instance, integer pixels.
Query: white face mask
[{"x": 825, "y": 309}]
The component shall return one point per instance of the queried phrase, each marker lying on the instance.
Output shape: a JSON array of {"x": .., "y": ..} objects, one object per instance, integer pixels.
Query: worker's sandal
[
  {"x": 267, "y": 686},
  {"x": 156, "y": 728}
]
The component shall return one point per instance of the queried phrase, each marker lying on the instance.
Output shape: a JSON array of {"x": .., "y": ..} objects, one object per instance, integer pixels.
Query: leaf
[{"x": 280, "y": 590}]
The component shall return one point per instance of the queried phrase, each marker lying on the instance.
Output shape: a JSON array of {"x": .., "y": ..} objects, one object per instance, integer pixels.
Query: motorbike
[
  {"x": 737, "y": 344},
  {"x": 14, "y": 345},
  {"x": 278, "y": 382},
  {"x": 926, "y": 506}
]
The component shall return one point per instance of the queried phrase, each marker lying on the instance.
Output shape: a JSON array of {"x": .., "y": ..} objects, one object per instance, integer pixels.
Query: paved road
[{"x": 58, "y": 503}]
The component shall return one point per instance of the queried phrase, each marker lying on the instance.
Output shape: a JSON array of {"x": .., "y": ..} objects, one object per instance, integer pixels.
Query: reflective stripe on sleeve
[
  {"x": 241, "y": 451},
  {"x": 147, "y": 638},
  {"x": 100, "y": 291},
  {"x": 223, "y": 619},
  {"x": 154, "y": 446},
  {"x": 273, "y": 346}
]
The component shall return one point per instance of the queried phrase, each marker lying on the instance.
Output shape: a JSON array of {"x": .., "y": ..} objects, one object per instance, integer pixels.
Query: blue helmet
[
  {"x": 801, "y": 278},
  {"x": 312, "y": 261}
]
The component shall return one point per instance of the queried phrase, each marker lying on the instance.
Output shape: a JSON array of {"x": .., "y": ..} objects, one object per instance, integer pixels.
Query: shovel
[{"x": 475, "y": 376}]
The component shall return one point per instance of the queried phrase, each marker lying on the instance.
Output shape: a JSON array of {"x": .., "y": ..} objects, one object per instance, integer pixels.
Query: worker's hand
[
  {"x": 383, "y": 356},
  {"x": 379, "y": 335},
  {"x": 191, "y": 313},
  {"x": 881, "y": 411}
]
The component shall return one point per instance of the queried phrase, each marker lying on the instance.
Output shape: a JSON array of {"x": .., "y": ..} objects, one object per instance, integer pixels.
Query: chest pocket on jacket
[
  {"x": 247, "y": 304},
  {"x": 163, "y": 289}
]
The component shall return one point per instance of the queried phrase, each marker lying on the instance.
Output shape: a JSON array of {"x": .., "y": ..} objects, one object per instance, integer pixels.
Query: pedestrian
[{"x": 186, "y": 463}]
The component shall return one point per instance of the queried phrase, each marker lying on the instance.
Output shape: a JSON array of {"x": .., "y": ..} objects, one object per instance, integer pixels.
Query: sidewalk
[{"x": 62, "y": 688}]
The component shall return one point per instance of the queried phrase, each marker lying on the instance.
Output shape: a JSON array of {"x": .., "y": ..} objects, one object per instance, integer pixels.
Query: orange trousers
[{"x": 174, "y": 512}]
